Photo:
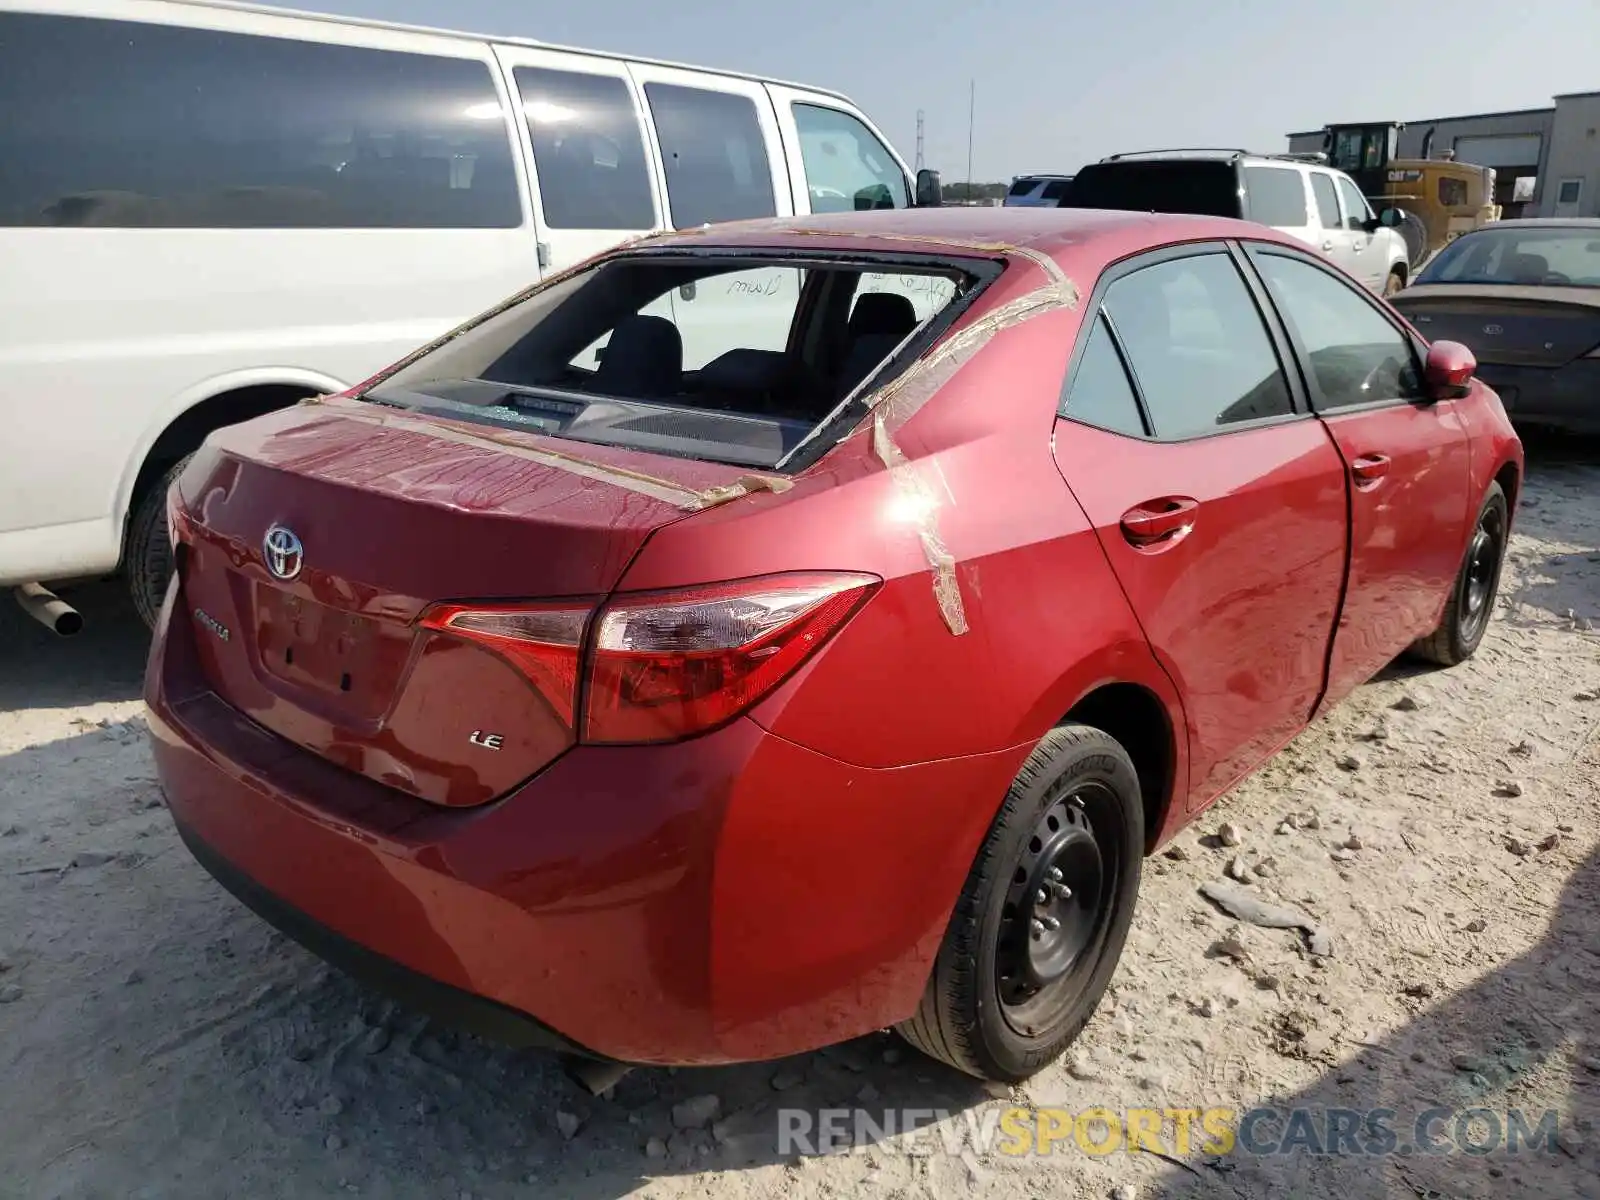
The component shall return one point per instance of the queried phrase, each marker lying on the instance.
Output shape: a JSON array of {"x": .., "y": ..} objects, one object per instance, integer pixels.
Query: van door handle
[
  {"x": 1370, "y": 469},
  {"x": 1327, "y": 245},
  {"x": 1166, "y": 519}
]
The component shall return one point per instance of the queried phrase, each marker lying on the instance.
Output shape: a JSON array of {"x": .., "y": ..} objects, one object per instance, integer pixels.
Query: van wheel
[
  {"x": 1040, "y": 925},
  {"x": 1396, "y": 281},
  {"x": 1466, "y": 616},
  {"x": 147, "y": 564}
]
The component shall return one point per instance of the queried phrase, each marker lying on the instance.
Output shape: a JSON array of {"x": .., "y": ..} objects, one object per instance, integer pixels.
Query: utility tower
[{"x": 920, "y": 162}]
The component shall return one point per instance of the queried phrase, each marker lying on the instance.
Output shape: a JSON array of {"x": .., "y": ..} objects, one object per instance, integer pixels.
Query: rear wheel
[
  {"x": 147, "y": 565},
  {"x": 1040, "y": 925},
  {"x": 1466, "y": 616}
]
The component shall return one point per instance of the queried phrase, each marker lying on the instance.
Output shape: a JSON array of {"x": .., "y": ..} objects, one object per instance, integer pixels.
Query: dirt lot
[{"x": 156, "y": 1040}]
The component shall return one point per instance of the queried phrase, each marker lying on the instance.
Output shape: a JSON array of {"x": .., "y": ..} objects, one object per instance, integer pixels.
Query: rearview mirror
[
  {"x": 1448, "y": 372},
  {"x": 930, "y": 192}
]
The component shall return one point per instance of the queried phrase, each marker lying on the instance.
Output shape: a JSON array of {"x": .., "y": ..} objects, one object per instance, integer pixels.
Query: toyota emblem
[{"x": 282, "y": 551}]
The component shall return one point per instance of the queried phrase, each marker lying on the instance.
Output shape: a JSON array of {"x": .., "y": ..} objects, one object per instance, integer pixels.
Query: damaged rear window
[{"x": 733, "y": 358}]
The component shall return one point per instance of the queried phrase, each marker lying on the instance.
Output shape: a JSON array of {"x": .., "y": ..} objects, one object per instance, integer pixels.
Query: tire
[
  {"x": 1395, "y": 281},
  {"x": 990, "y": 1026},
  {"x": 1471, "y": 605},
  {"x": 147, "y": 562}
]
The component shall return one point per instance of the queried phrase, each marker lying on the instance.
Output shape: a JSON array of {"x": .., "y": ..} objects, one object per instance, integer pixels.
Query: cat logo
[{"x": 489, "y": 741}]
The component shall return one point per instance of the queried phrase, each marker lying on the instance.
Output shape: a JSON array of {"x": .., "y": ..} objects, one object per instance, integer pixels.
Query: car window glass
[
  {"x": 1101, "y": 394},
  {"x": 847, "y": 168},
  {"x": 1506, "y": 254},
  {"x": 1356, "y": 355},
  {"x": 588, "y": 151},
  {"x": 1327, "y": 200},
  {"x": 714, "y": 154},
  {"x": 130, "y": 125},
  {"x": 1355, "y": 205},
  {"x": 1276, "y": 196},
  {"x": 1197, "y": 345}
]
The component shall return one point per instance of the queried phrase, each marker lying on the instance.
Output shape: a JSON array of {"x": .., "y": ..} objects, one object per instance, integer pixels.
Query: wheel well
[
  {"x": 1138, "y": 720},
  {"x": 1507, "y": 478},
  {"x": 186, "y": 433},
  {"x": 1402, "y": 270}
]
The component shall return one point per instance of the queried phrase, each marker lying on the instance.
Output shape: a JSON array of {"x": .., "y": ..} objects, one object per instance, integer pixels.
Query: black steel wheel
[
  {"x": 147, "y": 552},
  {"x": 1471, "y": 604},
  {"x": 1038, "y": 930}
]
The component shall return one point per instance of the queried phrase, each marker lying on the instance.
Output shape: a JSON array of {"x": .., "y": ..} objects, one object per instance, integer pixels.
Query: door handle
[
  {"x": 1370, "y": 469},
  {"x": 1159, "y": 520},
  {"x": 1327, "y": 245}
]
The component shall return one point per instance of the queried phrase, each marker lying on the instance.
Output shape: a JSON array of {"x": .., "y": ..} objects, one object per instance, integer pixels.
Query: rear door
[
  {"x": 1277, "y": 196},
  {"x": 593, "y": 179},
  {"x": 721, "y": 159},
  {"x": 1218, "y": 500},
  {"x": 1407, "y": 459}
]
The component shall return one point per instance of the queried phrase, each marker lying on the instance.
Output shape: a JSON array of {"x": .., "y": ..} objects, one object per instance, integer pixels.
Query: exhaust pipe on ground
[{"x": 49, "y": 609}]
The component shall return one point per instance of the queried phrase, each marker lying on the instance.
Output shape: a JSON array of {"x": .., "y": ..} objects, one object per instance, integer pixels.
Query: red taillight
[
  {"x": 541, "y": 641},
  {"x": 672, "y": 664},
  {"x": 665, "y": 665}
]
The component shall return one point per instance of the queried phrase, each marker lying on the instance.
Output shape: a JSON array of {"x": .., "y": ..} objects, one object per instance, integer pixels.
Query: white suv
[{"x": 1295, "y": 194}]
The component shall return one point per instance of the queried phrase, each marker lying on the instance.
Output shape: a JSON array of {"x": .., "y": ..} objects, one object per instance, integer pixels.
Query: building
[{"x": 1546, "y": 160}]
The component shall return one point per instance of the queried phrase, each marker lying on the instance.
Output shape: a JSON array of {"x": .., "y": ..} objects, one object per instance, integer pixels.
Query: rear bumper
[
  {"x": 1565, "y": 397},
  {"x": 732, "y": 898}
]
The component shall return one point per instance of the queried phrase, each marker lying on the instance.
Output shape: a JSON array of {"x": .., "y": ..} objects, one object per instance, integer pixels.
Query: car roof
[{"x": 1062, "y": 233}]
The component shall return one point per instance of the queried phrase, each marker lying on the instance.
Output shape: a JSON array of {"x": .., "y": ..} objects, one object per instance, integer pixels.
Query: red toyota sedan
[{"x": 671, "y": 685}]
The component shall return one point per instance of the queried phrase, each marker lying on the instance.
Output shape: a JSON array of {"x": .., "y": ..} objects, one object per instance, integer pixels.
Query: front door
[
  {"x": 1407, "y": 459},
  {"x": 1368, "y": 258},
  {"x": 1220, "y": 504}
]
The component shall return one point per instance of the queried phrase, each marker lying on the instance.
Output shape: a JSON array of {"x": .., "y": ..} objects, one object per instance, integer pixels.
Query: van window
[
  {"x": 714, "y": 153},
  {"x": 847, "y": 168},
  {"x": 587, "y": 149},
  {"x": 125, "y": 124},
  {"x": 1277, "y": 196}
]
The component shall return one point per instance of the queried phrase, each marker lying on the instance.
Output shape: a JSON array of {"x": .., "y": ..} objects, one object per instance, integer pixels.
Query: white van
[{"x": 209, "y": 210}]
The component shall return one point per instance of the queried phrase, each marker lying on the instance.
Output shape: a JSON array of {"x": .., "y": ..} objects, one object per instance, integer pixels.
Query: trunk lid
[
  {"x": 1505, "y": 324},
  {"x": 392, "y": 513}
]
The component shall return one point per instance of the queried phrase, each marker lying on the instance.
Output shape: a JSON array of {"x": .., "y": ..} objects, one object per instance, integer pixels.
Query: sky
[{"x": 1060, "y": 84}]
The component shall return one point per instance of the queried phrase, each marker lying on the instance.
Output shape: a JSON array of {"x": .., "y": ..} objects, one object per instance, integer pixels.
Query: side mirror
[
  {"x": 1391, "y": 218},
  {"x": 1447, "y": 373},
  {"x": 930, "y": 192}
]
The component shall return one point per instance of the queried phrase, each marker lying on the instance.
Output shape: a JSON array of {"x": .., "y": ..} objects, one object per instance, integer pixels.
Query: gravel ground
[{"x": 156, "y": 1040}]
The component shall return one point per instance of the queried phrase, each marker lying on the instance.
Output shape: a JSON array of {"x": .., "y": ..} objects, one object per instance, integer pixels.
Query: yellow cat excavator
[{"x": 1441, "y": 198}]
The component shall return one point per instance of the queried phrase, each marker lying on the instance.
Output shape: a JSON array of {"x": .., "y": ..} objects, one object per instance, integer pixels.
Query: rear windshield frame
[{"x": 978, "y": 270}]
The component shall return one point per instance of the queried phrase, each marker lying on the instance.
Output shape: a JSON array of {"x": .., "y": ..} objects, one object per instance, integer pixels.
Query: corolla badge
[
  {"x": 1493, "y": 330},
  {"x": 282, "y": 551}
]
